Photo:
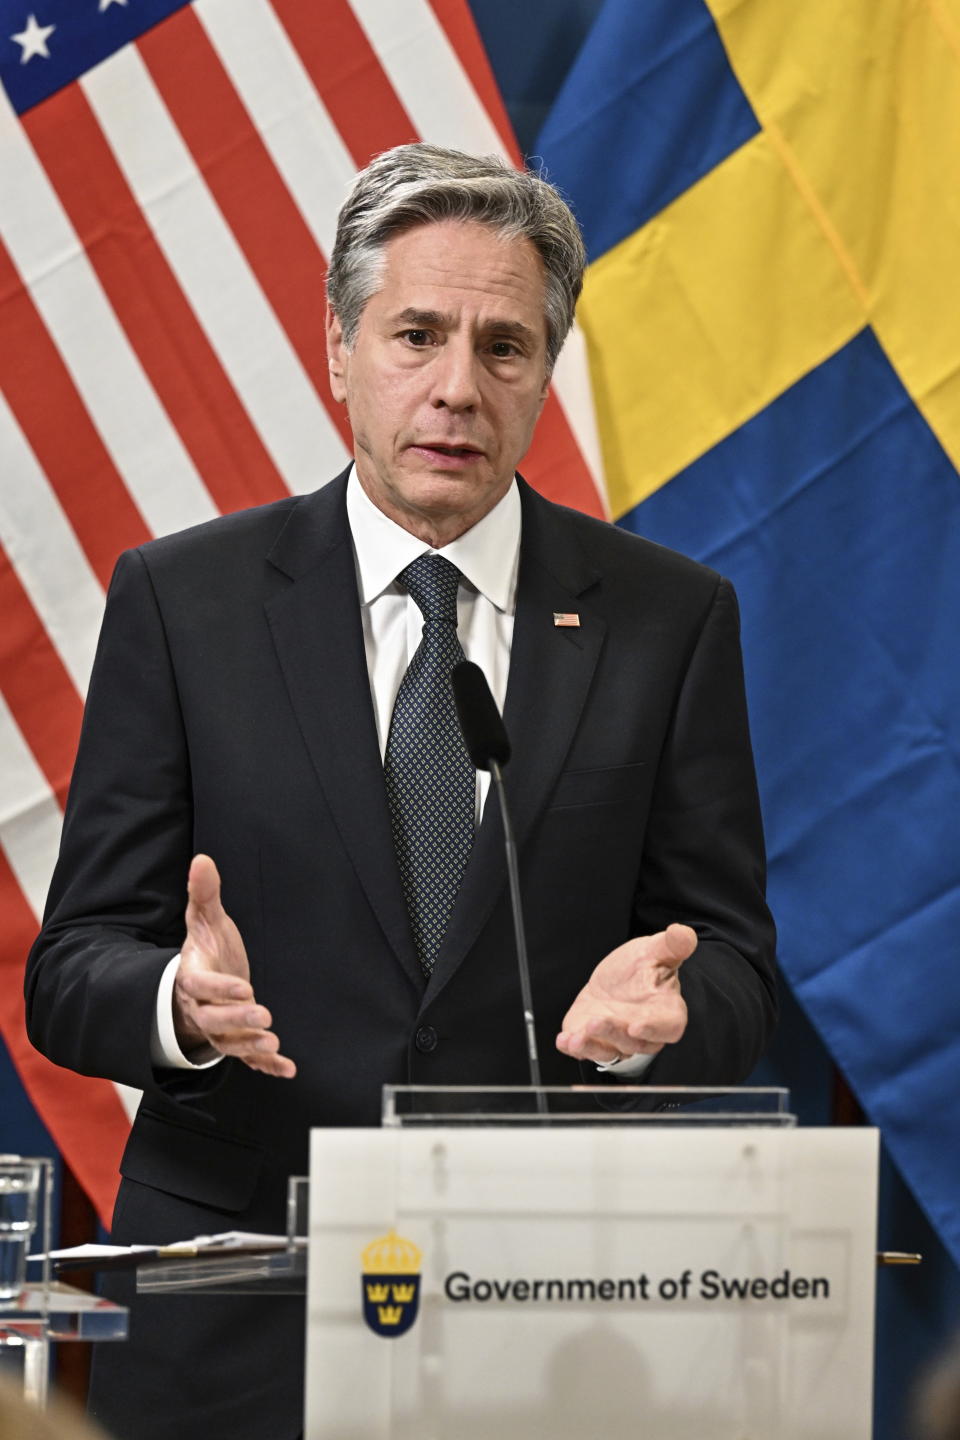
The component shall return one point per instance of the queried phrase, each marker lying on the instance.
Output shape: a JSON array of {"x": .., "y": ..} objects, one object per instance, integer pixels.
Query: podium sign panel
[{"x": 497, "y": 1283}]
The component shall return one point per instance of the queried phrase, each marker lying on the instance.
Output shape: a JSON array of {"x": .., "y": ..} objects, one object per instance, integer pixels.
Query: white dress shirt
[{"x": 488, "y": 558}]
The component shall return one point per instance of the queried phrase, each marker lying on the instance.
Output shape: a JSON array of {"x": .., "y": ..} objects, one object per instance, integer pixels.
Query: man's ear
[{"x": 336, "y": 355}]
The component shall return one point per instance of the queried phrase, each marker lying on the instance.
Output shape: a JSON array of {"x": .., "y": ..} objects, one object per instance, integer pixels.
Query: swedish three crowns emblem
[{"x": 391, "y": 1285}]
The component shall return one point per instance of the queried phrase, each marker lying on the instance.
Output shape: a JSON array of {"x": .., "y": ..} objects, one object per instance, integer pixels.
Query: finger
[
  {"x": 223, "y": 1021},
  {"x": 625, "y": 1038},
  {"x": 679, "y": 943},
  {"x": 658, "y": 956},
  {"x": 203, "y": 888},
  {"x": 220, "y": 1024},
  {"x": 255, "y": 1047},
  {"x": 277, "y": 1065},
  {"x": 212, "y": 987},
  {"x": 666, "y": 949},
  {"x": 245, "y": 1044},
  {"x": 579, "y": 1045},
  {"x": 261, "y": 1052}
]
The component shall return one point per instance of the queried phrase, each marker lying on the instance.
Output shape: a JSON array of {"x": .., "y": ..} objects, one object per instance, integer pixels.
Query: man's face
[{"x": 447, "y": 375}]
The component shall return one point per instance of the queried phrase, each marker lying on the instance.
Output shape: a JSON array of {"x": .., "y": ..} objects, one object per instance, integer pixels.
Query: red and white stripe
[{"x": 164, "y": 228}]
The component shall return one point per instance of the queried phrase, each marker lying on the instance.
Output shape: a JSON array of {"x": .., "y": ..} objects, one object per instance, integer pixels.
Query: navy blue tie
[{"x": 431, "y": 782}]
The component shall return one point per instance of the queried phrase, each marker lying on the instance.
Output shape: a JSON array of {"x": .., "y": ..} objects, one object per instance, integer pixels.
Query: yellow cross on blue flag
[{"x": 773, "y": 319}]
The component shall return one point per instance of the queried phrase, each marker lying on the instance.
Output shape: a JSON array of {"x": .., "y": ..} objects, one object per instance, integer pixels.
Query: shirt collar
[{"x": 487, "y": 554}]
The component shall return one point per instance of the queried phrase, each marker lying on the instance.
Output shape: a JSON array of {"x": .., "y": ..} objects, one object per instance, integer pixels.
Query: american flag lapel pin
[{"x": 566, "y": 621}]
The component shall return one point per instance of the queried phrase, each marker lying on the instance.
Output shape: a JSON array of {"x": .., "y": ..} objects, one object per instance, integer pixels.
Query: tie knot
[{"x": 433, "y": 583}]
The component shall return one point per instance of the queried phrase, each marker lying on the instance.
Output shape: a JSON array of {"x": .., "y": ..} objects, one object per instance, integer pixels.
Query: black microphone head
[{"x": 480, "y": 720}]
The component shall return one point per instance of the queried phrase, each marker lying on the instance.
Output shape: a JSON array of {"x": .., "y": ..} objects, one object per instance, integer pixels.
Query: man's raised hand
[
  {"x": 213, "y": 1000},
  {"x": 632, "y": 1004}
]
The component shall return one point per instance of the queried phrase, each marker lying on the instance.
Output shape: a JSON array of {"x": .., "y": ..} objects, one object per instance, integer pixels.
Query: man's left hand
[{"x": 632, "y": 1004}]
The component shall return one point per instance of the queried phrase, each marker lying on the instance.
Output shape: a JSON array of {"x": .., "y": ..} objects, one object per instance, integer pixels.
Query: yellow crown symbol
[
  {"x": 403, "y": 1294},
  {"x": 391, "y": 1255},
  {"x": 390, "y": 1314},
  {"x": 378, "y": 1293}
]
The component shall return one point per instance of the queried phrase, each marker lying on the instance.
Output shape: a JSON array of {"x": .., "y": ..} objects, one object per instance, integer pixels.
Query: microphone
[
  {"x": 481, "y": 723},
  {"x": 488, "y": 746}
]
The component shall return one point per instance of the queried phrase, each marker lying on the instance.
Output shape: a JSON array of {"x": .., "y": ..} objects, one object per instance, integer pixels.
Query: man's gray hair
[{"x": 421, "y": 184}]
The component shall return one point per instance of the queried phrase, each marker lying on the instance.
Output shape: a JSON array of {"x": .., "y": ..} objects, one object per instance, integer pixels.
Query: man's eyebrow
[
  {"x": 440, "y": 320},
  {"x": 424, "y": 319},
  {"x": 514, "y": 328}
]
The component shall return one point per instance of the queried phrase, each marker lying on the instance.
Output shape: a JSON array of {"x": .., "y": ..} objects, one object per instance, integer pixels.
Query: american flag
[{"x": 170, "y": 176}]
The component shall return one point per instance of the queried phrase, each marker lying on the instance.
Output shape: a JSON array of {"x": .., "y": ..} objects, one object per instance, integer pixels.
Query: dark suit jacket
[{"x": 230, "y": 712}]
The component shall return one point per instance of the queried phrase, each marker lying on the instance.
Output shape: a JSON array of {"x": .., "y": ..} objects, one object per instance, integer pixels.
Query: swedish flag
[{"x": 772, "y": 311}]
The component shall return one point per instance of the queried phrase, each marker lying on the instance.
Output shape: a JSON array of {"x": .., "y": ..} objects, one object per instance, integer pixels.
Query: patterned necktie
[{"x": 431, "y": 783}]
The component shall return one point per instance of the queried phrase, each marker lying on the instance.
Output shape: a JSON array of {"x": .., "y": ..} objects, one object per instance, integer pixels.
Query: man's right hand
[{"x": 213, "y": 1000}]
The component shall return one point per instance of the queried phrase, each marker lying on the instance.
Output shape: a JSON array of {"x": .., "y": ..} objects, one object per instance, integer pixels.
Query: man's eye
[
  {"x": 417, "y": 337},
  {"x": 503, "y": 349}
]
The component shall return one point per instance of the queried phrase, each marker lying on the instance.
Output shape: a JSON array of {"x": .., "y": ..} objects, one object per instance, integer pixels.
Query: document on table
[{"x": 227, "y": 1241}]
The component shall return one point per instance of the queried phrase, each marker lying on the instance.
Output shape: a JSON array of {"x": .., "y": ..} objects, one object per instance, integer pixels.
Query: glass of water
[{"x": 19, "y": 1191}]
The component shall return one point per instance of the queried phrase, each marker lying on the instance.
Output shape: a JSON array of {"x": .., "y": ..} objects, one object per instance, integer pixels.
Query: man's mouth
[
  {"x": 445, "y": 453},
  {"x": 444, "y": 448}
]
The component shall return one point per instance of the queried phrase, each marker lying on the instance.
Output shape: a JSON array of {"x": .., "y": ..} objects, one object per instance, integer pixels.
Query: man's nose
[{"x": 456, "y": 377}]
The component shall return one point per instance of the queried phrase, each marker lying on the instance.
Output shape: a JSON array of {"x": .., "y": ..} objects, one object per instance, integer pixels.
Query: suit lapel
[
  {"x": 315, "y": 623},
  {"x": 551, "y": 671}
]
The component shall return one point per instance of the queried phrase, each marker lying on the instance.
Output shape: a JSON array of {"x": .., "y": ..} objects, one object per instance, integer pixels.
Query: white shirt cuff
[
  {"x": 630, "y": 1067},
  {"x": 165, "y": 1052}
]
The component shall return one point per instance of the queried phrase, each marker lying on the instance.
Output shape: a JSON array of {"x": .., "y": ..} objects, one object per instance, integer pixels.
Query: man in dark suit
[{"x": 261, "y": 696}]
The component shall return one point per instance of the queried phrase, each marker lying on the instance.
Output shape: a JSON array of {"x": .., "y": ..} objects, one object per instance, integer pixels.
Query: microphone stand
[{"x": 523, "y": 963}]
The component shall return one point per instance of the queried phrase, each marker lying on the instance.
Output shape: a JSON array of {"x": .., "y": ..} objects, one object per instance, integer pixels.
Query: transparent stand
[
  {"x": 46, "y": 1312},
  {"x": 284, "y": 1272},
  {"x": 405, "y": 1105},
  {"x": 275, "y": 1272}
]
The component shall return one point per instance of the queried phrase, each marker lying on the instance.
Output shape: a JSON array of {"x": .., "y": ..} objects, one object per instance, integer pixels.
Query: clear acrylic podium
[
  {"x": 497, "y": 1264},
  {"x": 39, "y": 1311}
]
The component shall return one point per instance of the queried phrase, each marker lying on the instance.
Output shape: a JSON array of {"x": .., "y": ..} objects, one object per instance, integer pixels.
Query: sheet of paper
[
  {"x": 225, "y": 1240},
  {"x": 91, "y": 1252}
]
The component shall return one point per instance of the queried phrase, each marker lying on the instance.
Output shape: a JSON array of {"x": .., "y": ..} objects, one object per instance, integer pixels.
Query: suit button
[{"x": 425, "y": 1039}]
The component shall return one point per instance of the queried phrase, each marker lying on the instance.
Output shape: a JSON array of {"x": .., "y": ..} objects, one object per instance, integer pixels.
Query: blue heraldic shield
[{"x": 391, "y": 1285}]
